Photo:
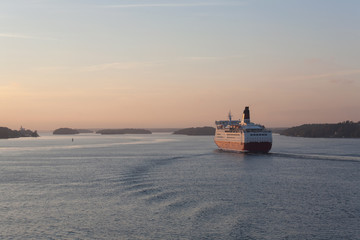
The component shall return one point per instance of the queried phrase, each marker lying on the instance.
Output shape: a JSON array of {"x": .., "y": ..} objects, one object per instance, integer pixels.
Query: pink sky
[{"x": 161, "y": 64}]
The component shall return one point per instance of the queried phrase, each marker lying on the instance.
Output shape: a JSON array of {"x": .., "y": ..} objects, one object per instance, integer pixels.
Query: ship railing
[{"x": 225, "y": 123}]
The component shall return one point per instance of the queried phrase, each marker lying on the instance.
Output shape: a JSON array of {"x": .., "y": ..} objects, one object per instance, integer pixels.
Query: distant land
[
  {"x": 65, "y": 131},
  {"x": 85, "y": 131},
  {"x": 8, "y": 133},
  {"x": 347, "y": 129},
  {"x": 71, "y": 131},
  {"x": 124, "y": 131},
  {"x": 163, "y": 130},
  {"x": 197, "y": 131},
  {"x": 277, "y": 130}
]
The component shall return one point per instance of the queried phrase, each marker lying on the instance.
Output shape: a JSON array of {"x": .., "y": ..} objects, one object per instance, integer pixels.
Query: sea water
[{"x": 164, "y": 186}]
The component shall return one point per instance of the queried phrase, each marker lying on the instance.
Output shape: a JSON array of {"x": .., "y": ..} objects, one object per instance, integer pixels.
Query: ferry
[{"x": 242, "y": 135}]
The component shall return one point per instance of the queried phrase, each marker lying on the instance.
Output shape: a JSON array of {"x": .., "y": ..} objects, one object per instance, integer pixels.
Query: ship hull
[{"x": 254, "y": 147}]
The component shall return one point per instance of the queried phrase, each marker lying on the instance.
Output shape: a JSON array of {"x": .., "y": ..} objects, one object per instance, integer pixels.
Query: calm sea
[{"x": 164, "y": 186}]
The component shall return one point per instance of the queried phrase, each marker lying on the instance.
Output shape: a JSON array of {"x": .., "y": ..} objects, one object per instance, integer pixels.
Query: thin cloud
[
  {"x": 20, "y": 36},
  {"x": 98, "y": 67},
  {"x": 212, "y": 58},
  {"x": 10, "y": 35},
  {"x": 154, "y": 5},
  {"x": 204, "y": 58},
  {"x": 328, "y": 75},
  {"x": 342, "y": 81},
  {"x": 118, "y": 66},
  {"x": 50, "y": 69}
]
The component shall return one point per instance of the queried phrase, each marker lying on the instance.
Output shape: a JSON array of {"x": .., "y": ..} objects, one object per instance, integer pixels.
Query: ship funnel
[{"x": 246, "y": 115}]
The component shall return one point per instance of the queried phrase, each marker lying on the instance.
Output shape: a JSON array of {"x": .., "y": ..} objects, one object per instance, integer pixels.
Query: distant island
[
  {"x": 6, "y": 133},
  {"x": 65, "y": 131},
  {"x": 197, "y": 131},
  {"x": 124, "y": 131},
  {"x": 347, "y": 129},
  {"x": 71, "y": 131},
  {"x": 163, "y": 130}
]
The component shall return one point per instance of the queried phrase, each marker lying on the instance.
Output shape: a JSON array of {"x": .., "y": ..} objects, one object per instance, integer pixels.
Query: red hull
[{"x": 256, "y": 147}]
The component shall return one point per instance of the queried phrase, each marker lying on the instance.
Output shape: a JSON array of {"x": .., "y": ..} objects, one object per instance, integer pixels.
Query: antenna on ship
[{"x": 228, "y": 123}]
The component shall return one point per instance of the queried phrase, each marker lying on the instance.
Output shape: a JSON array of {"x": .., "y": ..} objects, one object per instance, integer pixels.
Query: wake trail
[{"x": 317, "y": 156}]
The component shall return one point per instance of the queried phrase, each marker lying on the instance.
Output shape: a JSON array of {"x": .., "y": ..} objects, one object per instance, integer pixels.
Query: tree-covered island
[
  {"x": 8, "y": 133},
  {"x": 347, "y": 129},
  {"x": 65, "y": 131}
]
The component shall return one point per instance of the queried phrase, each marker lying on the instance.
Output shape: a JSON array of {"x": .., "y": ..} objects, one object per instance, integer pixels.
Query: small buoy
[{"x": 72, "y": 139}]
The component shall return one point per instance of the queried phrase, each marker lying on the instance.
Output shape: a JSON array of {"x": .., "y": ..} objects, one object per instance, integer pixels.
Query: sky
[{"x": 177, "y": 63}]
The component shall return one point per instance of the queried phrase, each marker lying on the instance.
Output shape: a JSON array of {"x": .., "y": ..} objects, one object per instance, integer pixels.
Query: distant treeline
[
  {"x": 8, "y": 133},
  {"x": 198, "y": 131},
  {"x": 65, "y": 131},
  {"x": 347, "y": 129}
]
